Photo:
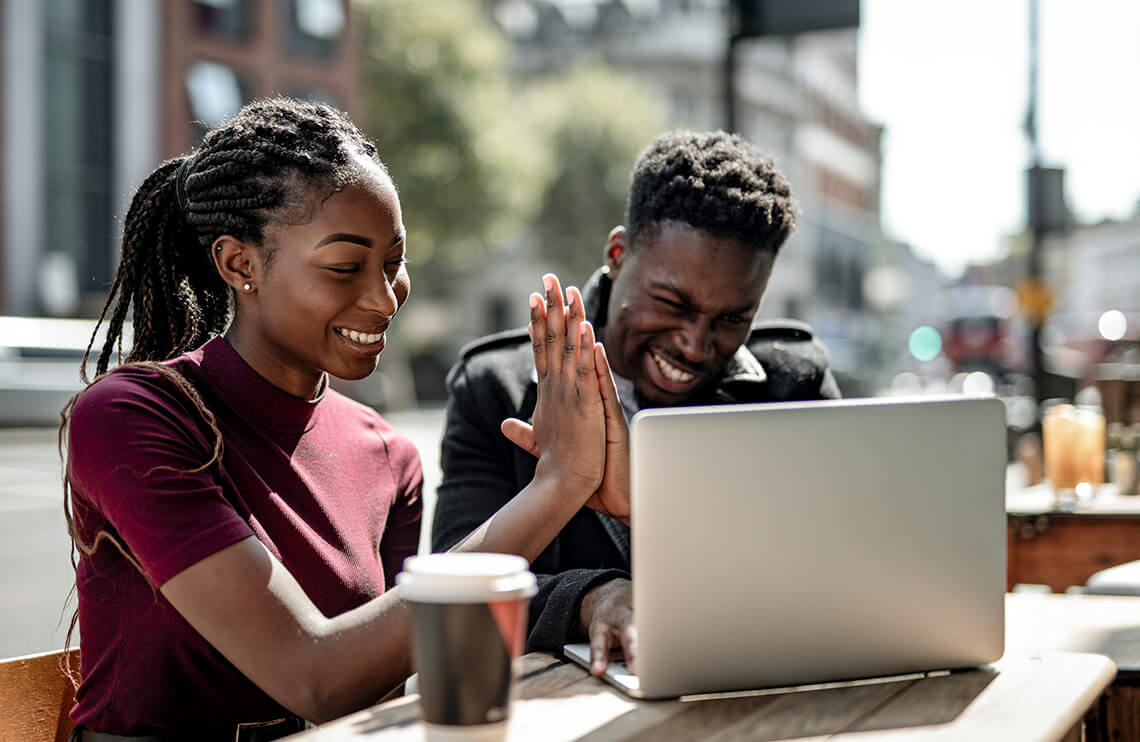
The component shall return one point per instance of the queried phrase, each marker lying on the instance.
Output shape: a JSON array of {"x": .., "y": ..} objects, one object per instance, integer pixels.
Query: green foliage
[
  {"x": 594, "y": 124},
  {"x": 480, "y": 164},
  {"x": 437, "y": 101}
]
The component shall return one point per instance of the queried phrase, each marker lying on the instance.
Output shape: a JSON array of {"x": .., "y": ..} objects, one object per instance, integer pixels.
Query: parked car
[{"x": 39, "y": 366}]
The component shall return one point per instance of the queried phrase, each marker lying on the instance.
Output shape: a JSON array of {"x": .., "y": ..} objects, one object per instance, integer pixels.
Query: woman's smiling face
[{"x": 330, "y": 288}]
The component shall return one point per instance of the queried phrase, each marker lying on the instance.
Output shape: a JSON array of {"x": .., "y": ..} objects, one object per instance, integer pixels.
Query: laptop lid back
[{"x": 792, "y": 543}]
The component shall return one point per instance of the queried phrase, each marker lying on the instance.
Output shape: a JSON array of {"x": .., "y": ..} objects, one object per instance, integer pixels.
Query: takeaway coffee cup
[{"x": 469, "y": 618}]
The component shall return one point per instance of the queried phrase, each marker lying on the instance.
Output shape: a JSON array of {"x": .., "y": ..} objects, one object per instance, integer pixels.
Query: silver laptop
[{"x": 800, "y": 543}]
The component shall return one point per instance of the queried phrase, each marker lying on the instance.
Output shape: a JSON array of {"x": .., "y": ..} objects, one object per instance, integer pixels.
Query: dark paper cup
[{"x": 469, "y": 619}]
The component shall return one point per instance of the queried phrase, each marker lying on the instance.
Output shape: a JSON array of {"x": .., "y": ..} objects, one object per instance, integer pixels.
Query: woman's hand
[
  {"x": 568, "y": 435},
  {"x": 611, "y": 496}
]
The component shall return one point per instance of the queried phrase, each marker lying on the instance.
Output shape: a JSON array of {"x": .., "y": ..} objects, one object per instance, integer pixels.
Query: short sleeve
[
  {"x": 401, "y": 538},
  {"x": 134, "y": 442}
]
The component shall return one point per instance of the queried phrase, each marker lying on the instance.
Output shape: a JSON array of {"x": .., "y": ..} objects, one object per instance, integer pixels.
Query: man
[{"x": 706, "y": 216}]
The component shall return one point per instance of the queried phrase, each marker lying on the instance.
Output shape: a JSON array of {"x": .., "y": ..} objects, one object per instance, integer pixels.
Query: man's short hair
[{"x": 715, "y": 182}]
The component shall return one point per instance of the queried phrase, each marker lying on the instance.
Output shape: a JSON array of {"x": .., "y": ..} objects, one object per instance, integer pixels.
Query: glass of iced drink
[{"x": 1073, "y": 440}]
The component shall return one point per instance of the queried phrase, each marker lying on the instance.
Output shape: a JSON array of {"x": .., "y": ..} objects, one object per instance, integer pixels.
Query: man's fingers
[
  {"x": 628, "y": 635},
  {"x": 608, "y": 389},
  {"x": 521, "y": 434},
  {"x": 587, "y": 381},
  {"x": 599, "y": 647},
  {"x": 537, "y": 331},
  {"x": 555, "y": 324},
  {"x": 573, "y": 340}
]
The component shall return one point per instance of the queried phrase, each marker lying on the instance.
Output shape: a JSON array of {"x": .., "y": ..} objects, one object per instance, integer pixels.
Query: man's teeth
[
  {"x": 671, "y": 372},
  {"x": 360, "y": 337}
]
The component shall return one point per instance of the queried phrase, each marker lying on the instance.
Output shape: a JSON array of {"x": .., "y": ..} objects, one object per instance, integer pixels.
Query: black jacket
[{"x": 482, "y": 470}]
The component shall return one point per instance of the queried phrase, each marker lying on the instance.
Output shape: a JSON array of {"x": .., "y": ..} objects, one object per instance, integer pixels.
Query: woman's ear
[
  {"x": 238, "y": 263},
  {"x": 615, "y": 251}
]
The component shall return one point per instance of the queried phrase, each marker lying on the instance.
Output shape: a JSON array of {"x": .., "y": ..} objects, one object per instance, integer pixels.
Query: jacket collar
[{"x": 742, "y": 369}]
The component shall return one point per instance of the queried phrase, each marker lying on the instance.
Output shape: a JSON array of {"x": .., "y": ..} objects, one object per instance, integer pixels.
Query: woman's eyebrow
[{"x": 344, "y": 237}]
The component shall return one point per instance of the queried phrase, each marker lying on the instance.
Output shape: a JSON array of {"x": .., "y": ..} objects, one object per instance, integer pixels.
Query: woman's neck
[{"x": 287, "y": 374}]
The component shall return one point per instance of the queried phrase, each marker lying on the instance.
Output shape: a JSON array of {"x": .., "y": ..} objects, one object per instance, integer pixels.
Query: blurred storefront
[{"x": 95, "y": 93}]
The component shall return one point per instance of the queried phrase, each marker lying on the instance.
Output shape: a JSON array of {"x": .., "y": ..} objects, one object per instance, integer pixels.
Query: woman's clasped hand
[{"x": 579, "y": 432}]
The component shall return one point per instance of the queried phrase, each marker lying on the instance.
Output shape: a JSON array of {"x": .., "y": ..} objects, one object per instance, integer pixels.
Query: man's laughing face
[{"x": 682, "y": 303}]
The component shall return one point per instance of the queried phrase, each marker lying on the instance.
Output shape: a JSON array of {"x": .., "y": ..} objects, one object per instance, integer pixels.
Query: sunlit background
[
  {"x": 958, "y": 234},
  {"x": 510, "y": 127}
]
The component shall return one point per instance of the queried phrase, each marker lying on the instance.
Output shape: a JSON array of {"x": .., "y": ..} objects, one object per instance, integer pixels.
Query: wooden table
[
  {"x": 1025, "y": 696},
  {"x": 1108, "y": 625},
  {"x": 1048, "y": 546}
]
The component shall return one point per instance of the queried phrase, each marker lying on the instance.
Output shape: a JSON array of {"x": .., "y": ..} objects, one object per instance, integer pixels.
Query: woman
[{"x": 238, "y": 522}]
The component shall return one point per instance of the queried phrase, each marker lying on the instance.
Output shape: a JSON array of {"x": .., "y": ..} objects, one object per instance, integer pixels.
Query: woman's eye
[
  {"x": 344, "y": 270},
  {"x": 735, "y": 319}
]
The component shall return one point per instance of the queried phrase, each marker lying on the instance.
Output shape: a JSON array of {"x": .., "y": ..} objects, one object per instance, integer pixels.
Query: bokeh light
[
  {"x": 1112, "y": 325},
  {"x": 925, "y": 343},
  {"x": 978, "y": 384}
]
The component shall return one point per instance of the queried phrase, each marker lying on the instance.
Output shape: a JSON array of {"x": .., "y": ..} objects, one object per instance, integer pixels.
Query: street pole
[
  {"x": 1034, "y": 212},
  {"x": 751, "y": 19},
  {"x": 730, "y": 78}
]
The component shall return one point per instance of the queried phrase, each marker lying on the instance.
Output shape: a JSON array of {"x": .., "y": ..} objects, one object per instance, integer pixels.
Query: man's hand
[
  {"x": 607, "y": 616},
  {"x": 613, "y": 497}
]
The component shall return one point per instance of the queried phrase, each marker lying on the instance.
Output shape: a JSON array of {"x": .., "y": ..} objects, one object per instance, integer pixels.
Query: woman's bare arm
[{"x": 247, "y": 605}]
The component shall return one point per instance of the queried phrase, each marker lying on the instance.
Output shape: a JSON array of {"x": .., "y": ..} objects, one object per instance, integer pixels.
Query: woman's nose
[{"x": 380, "y": 297}]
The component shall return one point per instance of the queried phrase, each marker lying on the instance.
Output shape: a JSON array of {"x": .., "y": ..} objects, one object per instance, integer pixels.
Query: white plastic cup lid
[{"x": 471, "y": 577}]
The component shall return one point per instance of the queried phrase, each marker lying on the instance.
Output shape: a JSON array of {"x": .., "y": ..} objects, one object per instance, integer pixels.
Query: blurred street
[{"x": 35, "y": 574}]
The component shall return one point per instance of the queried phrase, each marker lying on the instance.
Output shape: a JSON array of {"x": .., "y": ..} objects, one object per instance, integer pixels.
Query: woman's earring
[{"x": 247, "y": 287}]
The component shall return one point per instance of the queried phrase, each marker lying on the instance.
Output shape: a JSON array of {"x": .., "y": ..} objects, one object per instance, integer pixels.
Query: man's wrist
[{"x": 590, "y": 602}]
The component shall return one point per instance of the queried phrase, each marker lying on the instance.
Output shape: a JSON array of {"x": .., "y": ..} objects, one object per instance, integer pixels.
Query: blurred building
[
  {"x": 1096, "y": 267},
  {"x": 1089, "y": 269},
  {"x": 95, "y": 93},
  {"x": 796, "y": 98},
  {"x": 906, "y": 291}
]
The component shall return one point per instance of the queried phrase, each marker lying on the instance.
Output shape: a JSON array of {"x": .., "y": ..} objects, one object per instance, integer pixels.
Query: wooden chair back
[{"x": 36, "y": 697}]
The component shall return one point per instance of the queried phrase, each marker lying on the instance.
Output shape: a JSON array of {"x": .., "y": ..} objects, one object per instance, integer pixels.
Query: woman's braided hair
[
  {"x": 249, "y": 170},
  {"x": 271, "y": 163}
]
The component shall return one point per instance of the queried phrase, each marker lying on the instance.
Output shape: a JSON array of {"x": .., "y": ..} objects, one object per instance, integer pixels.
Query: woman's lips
[{"x": 360, "y": 348}]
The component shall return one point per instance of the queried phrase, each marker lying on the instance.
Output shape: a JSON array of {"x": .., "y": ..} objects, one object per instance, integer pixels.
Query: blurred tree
[
  {"x": 437, "y": 100},
  {"x": 594, "y": 123},
  {"x": 478, "y": 163}
]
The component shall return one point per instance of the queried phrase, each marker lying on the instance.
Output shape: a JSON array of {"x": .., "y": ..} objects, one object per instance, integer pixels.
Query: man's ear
[
  {"x": 616, "y": 251},
  {"x": 238, "y": 263}
]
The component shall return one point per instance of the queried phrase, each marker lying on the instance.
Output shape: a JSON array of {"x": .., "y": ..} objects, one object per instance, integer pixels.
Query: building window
[
  {"x": 78, "y": 122},
  {"x": 314, "y": 27},
  {"x": 215, "y": 93},
  {"x": 229, "y": 19}
]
